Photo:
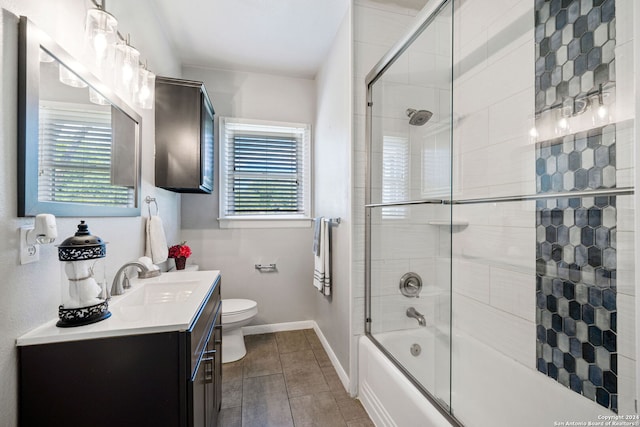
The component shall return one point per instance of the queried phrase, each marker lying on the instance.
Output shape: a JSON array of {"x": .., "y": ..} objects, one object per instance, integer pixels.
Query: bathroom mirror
[{"x": 78, "y": 142}]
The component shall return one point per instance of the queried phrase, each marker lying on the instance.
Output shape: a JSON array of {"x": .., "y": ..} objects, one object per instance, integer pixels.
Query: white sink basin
[{"x": 161, "y": 292}]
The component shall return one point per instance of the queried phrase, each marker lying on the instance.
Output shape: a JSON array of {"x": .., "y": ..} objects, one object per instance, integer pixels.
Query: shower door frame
[{"x": 422, "y": 21}]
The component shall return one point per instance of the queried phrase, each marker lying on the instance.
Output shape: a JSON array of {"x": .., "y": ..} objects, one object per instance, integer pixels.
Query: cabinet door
[
  {"x": 207, "y": 142},
  {"x": 199, "y": 403},
  {"x": 218, "y": 366},
  {"x": 184, "y": 136},
  {"x": 214, "y": 385}
]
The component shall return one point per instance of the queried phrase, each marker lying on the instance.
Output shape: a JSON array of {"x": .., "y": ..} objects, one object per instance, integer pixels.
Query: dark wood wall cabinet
[
  {"x": 159, "y": 379},
  {"x": 184, "y": 136}
]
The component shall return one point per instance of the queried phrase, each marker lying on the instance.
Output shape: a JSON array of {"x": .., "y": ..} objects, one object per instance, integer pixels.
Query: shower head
[{"x": 418, "y": 117}]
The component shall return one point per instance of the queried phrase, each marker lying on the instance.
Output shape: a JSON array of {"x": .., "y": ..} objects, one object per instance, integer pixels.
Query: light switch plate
[{"x": 28, "y": 253}]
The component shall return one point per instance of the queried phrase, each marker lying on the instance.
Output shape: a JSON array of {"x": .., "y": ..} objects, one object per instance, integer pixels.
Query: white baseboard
[
  {"x": 278, "y": 327},
  {"x": 304, "y": 324},
  {"x": 342, "y": 374}
]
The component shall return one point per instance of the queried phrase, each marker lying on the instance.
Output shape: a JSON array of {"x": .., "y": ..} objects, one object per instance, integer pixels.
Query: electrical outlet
[{"x": 28, "y": 253}]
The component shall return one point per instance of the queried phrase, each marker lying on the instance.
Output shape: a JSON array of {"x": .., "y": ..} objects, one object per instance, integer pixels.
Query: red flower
[{"x": 180, "y": 251}]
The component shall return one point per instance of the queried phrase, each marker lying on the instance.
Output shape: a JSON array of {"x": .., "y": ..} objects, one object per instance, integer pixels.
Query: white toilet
[{"x": 236, "y": 313}]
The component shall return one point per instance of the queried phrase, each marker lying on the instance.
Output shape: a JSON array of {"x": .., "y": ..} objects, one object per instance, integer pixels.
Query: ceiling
[{"x": 284, "y": 37}]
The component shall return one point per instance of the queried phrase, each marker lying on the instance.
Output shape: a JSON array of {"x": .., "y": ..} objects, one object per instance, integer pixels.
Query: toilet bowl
[{"x": 236, "y": 313}]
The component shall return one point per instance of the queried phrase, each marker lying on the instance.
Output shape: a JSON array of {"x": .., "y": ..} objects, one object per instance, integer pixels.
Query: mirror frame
[{"x": 30, "y": 40}]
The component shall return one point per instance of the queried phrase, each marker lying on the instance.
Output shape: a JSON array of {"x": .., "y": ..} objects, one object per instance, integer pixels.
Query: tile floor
[{"x": 286, "y": 379}]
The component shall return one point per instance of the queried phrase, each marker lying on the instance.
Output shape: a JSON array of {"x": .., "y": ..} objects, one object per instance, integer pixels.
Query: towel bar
[
  {"x": 333, "y": 221},
  {"x": 266, "y": 268},
  {"x": 150, "y": 200}
]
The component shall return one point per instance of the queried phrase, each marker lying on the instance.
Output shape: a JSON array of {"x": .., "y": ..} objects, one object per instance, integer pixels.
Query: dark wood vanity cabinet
[
  {"x": 184, "y": 136},
  {"x": 170, "y": 379}
]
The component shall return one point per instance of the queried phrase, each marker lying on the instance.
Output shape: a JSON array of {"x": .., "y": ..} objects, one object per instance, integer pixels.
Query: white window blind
[
  {"x": 436, "y": 167},
  {"x": 265, "y": 171},
  {"x": 75, "y": 158},
  {"x": 395, "y": 175}
]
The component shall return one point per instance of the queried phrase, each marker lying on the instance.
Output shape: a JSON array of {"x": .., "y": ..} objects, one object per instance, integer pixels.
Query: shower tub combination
[{"x": 499, "y": 274}]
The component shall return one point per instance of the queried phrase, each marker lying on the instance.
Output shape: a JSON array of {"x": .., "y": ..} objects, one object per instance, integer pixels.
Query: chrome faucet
[
  {"x": 412, "y": 312},
  {"x": 119, "y": 285}
]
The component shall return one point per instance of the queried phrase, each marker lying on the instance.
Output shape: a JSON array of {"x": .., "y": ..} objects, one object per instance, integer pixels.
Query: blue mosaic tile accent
[
  {"x": 576, "y": 311},
  {"x": 575, "y": 42}
]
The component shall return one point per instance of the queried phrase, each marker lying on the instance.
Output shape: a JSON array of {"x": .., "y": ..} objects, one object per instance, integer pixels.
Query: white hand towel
[
  {"x": 157, "y": 248},
  {"x": 322, "y": 261}
]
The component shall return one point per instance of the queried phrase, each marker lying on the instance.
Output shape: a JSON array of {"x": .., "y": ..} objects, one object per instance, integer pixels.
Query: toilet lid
[{"x": 230, "y": 306}]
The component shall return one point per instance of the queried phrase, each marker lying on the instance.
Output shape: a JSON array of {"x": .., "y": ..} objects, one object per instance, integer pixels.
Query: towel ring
[{"x": 150, "y": 200}]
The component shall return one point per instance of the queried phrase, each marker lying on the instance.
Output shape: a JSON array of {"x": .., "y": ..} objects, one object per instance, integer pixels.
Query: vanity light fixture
[
  {"x": 44, "y": 232},
  {"x": 146, "y": 84},
  {"x": 70, "y": 78},
  {"x": 127, "y": 59},
  {"x": 111, "y": 51},
  {"x": 96, "y": 98},
  {"x": 100, "y": 32}
]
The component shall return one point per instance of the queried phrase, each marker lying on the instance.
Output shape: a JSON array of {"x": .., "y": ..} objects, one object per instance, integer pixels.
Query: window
[
  {"x": 395, "y": 175},
  {"x": 74, "y": 164},
  {"x": 265, "y": 172}
]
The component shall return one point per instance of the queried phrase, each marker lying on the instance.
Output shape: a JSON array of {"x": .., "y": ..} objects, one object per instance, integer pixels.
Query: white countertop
[{"x": 169, "y": 302}]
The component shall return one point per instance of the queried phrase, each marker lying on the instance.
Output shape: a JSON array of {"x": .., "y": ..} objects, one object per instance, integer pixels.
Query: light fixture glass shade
[
  {"x": 70, "y": 78},
  {"x": 96, "y": 98},
  {"x": 145, "y": 96},
  {"x": 100, "y": 32},
  {"x": 126, "y": 69},
  {"x": 45, "y": 57}
]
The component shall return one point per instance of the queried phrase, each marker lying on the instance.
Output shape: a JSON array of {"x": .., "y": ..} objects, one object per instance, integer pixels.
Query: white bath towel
[
  {"x": 322, "y": 261},
  {"x": 156, "y": 248}
]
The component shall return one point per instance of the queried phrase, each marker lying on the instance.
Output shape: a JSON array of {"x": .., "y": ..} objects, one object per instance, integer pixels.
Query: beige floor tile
[
  {"x": 313, "y": 339},
  {"x": 298, "y": 359},
  {"x": 260, "y": 344},
  {"x": 335, "y": 385},
  {"x": 286, "y": 377},
  {"x": 232, "y": 371},
  {"x": 262, "y": 360},
  {"x": 305, "y": 380},
  {"x": 232, "y": 393},
  {"x": 290, "y": 341},
  {"x": 230, "y": 417},
  {"x": 319, "y": 410},
  {"x": 351, "y": 409},
  {"x": 361, "y": 422},
  {"x": 265, "y": 402},
  {"x": 322, "y": 357}
]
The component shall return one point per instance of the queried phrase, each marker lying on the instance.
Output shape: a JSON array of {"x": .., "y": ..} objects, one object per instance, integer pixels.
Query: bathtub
[
  {"x": 488, "y": 388},
  {"x": 389, "y": 397}
]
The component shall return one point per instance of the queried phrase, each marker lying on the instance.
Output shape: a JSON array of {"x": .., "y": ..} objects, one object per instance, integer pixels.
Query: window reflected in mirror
[{"x": 79, "y": 142}]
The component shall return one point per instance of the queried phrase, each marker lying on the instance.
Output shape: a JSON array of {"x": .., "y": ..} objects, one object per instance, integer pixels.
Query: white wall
[
  {"x": 31, "y": 293},
  {"x": 286, "y": 295},
  {"x": 332, "y": 192}
]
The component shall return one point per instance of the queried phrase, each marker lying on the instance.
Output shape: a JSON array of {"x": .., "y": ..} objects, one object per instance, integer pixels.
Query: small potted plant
[{"x": 180, "y": 253}]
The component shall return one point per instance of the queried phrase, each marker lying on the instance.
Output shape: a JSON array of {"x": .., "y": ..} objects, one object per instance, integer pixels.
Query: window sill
[{"x": 262, "y": 222}]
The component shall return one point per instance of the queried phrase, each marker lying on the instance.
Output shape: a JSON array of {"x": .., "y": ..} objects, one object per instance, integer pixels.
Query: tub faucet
[
  {"x": 412, "y": 312},
  {"x": 119, "y": 285}
]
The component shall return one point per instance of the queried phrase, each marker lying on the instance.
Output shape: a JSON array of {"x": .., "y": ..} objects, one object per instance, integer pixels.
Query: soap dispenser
[{"x": 84, "y": 300}]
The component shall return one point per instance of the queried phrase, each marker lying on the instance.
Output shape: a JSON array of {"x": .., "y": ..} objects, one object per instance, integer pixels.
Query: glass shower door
[{"x": 408, "y": 225}]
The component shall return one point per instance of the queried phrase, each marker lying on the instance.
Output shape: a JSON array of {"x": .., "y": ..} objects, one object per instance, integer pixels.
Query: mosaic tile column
[{"x": 576, "y": 236}]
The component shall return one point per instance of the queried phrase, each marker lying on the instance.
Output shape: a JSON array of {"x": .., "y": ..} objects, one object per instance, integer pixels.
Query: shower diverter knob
[{"x": 411, "y": 285}]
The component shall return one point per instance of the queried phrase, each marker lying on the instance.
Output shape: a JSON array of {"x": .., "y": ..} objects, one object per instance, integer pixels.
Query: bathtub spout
[{"x": 412, "y": 312}]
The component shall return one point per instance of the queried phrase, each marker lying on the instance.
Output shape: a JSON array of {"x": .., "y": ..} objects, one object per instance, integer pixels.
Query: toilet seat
[{"x": 235, "y": 310}]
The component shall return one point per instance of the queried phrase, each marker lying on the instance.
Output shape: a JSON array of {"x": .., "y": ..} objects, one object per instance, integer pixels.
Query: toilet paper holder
[{"x": 266, "y": 268}]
